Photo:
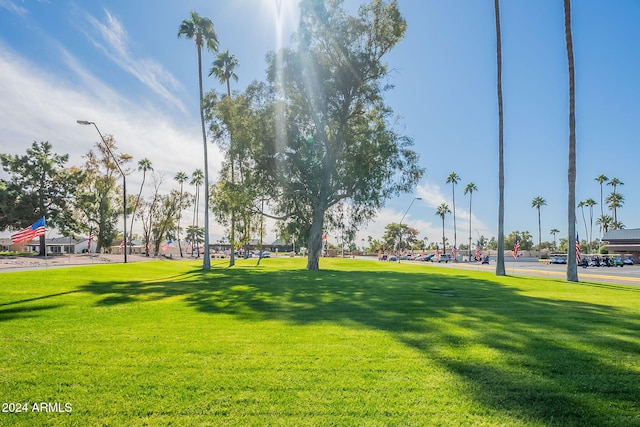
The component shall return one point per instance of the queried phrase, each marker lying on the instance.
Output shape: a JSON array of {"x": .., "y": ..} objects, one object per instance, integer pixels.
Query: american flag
[
  {"x": 478, "y": 254},
  {"x": 166, "y": 245},
  {"x": 578, "y": 257},
  {"x": 516, "y": 246},
  {"x": 34, "y": 230},
  {"x": 454, "y": 253}
]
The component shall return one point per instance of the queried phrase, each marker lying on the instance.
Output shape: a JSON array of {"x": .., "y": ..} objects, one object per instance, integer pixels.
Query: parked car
[
  {"x": 617, "y": 261},
  {"x": 392, "y": 258},
  {"x": 557, "y": 260},
  {"x": 428, "y": 257},
  {"x": 265, "y": 254},
  {"x": 627, "y": 260},
  {"x": 442, "y": 258}
]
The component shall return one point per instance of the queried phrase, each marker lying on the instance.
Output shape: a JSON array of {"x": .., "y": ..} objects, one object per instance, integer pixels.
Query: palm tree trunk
[
  {"x": 444, "y": 247},
  {"x": 179, "y": 218},
  {"x": 539, "y": 234},
  {"x": 470, "y": 197},
  {"x": 455, "y": 237},
  {"x": 590, "y": 227},
  {"x": 500, "y": 271},
  {"x": 572, "y": 265},
  {"x": 206, "y": 263},
  {"x": 232, "y": 258},
  {"x": 195, "y": 217}
]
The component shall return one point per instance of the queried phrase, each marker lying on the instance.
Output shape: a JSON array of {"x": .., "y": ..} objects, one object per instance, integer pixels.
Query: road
[{"x": 629, "y": 274}]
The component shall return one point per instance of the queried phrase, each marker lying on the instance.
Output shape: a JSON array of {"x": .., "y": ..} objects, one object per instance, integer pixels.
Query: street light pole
[
  {"x": 400, "y": 225},
  {"x": 124, "y": 183}
]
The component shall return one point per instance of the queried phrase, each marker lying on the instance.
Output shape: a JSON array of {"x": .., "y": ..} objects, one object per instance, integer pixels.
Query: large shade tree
[
  {"x": 98, "y": 202},
  {"x": 338, "y": 145},
  {"x": 399, "y": 235},
  {"x": 202, "y": 30},
  {"x": 39, "y": 184}
]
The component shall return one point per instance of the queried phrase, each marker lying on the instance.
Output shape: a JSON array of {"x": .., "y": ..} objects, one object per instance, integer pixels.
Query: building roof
[
  {"x": 62, "y": 241},
  {"x": 629, "y": 235}
]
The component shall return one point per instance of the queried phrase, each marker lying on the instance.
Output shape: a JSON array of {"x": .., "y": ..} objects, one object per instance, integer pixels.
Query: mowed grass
[{"x": 359, "y": 343}]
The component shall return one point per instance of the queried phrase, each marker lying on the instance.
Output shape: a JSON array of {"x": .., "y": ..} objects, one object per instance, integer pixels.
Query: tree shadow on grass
[
  {"x": 23, "y": 312},
  {"x": 557, "y": 362},
  {"x": 28, "y": 311}
]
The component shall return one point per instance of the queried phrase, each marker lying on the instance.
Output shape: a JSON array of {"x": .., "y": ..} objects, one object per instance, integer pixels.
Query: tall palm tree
[
  {"x": 537, "y": 203},
  {"x": 470, "y": 188},
  {"x": 143, "y": 165},
  {"x": 453, "y": 179},
  {"x": 201, "y": 29},
  {"x": 181, "y": 178},
  {"x": 572, "y": 264},
  {"x": 441, "y": 211},
  {"x": 224, "y": 70},
  {"x": 554, "y": 231},
  {"x": 196, "y": 179},
  {"x": 500, "y": 271},
  {"x": 601, "y": 180},
  {"x": 604, "y": 222},
  {"x": 617, "y": 225},
  {"x": 581, "y": 205},
  {"x": 615, "y": 182},
  {"x": 614, "y": 201}
]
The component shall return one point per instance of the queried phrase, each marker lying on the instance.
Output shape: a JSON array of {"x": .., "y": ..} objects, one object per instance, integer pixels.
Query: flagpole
[{"x": 46, "y": 260}]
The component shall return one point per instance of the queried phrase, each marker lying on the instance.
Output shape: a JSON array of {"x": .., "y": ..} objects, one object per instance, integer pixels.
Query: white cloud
[
  {"x": 422, "y": 217},
  {"x": 113, "y": 40},
  {"x": 13, "y": 8},
  {"x": 40, "y": 106}
]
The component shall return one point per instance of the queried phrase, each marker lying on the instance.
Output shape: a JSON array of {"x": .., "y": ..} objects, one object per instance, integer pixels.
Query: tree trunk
[
  {"x": 206, "y": 261},
  {"x": 500, "y": 261},
  {"x": 43, "y": 246},
  {"x": 315, "y": 239},
  {"x": 572, "y": 265},
  {"x": 444, "y": 246}
]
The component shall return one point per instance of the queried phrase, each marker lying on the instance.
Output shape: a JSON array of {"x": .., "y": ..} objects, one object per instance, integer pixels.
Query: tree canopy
[
  {"x": 39, "y": 185},
  {"x": 337, "y": 144}
]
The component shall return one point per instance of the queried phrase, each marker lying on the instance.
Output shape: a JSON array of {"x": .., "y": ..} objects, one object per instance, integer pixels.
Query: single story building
[
  {"x": 623, "y": 242},
  {"x": 62, "y": 245}
]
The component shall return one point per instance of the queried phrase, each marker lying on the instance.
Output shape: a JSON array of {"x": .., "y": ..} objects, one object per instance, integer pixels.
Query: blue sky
[{"x": 120, "y": 64}]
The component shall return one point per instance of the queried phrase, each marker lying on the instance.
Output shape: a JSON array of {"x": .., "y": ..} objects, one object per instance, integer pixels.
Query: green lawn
[{"x": 360, "y": 343}]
